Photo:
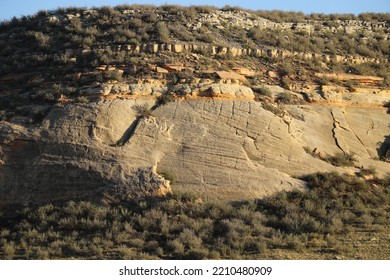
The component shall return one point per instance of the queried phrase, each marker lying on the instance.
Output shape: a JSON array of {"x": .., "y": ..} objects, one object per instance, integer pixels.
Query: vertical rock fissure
[{"x": 336, "y": 125}]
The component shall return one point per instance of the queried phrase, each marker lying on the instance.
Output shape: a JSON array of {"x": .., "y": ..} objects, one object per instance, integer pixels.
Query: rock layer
[{"x": 231, "y": 150}]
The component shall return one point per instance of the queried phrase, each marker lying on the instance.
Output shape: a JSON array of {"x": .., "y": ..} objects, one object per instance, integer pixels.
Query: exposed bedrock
[{"x": 224, "y": 149}]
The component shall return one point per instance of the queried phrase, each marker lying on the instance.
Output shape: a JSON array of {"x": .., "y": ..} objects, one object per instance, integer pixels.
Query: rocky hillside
[{"x": 111, "y": 103}]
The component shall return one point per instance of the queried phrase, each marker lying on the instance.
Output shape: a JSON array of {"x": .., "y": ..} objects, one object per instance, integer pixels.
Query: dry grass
[{"x": 339, "y": 216}]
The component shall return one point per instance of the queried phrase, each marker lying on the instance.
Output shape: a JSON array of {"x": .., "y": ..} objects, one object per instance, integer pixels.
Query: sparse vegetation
[
  {"x": 274, "y": 109},
  {"x": 67, "y": 45},
  {"x": 341, "y": 159},
  {"x": 263, "y": 91},
  {"x": 71, "y": 49},
  {"x": 142, "y": 110},
  {"x": 316, "y": 223},
  {"x": 284, "y": 98}
]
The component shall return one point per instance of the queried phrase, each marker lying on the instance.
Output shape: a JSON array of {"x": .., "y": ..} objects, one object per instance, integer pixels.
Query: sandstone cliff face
[
  {"x": 230, "y": 150},
  {"x": 266, "y": 52},
  {"x": 74, "y": 155}
]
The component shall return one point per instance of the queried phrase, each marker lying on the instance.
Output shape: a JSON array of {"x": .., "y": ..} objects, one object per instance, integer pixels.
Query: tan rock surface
[
  {"x": 230, "y": 150},
  {"x": 231, "y": 91},
  {"x": 230, "y": 75}
]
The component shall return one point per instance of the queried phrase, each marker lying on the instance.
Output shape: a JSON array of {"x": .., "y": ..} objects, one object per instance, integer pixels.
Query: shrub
[
  {"x": 341, "y": 159},
  {"x": 8, "y": 250},
  {"x": 370, "y": 171},
  {"x": 197, "y": 254},
  {"x": 274, "y": 109},
  {"x": 165, "y": 98},
  {"x": 181, "y": 32},
  {"x": 142, "y": 110},
  {"x": 163, "y": 32},
  {"x": 263, "y": 91},
  {"x": 42, "y": 39},
  {"x": 285, "y": 98},
  {"x": 168, "y": 176},
  {"x": 176, "y": 247}
]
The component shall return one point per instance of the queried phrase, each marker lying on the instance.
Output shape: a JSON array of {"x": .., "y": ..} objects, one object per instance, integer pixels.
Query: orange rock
[
  {"x": 244, "y": 71},
  {"x": 100, "y": 68},
  {"x": 161, "y": 70}
]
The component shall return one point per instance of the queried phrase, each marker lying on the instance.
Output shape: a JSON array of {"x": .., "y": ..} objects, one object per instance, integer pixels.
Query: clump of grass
[
  {"x": 284, "y": 98},
  {"x": 341, "y": 159},
  {"x": 273, "y": 109},
  {"x": 263, "y": 91},
  {"x": 165, "y": 98},
  {"x": 142, "y": 110},
  {"x": 366, "y": 172},
  {"x": 168, "y": 176}
]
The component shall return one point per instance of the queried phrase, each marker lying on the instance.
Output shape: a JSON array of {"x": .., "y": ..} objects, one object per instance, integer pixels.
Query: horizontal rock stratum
[
  {"x": 225, "y": 149},
  {"x": 268, "y": 52}
]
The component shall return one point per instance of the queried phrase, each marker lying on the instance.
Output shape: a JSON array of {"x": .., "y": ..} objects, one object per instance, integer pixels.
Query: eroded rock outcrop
[
  {"x": 74, "y": 155},
  {"x": 225, "y": 149},
  {"x": 231, "y": 91}
]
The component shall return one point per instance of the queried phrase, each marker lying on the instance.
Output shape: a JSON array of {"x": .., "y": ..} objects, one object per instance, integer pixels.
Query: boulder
[
  {"x": 272, "y": 74},
  {"x": 182, "y": 89},
  {"x": 222, "y": 50},
  {"x": 213, "y": 50},
  {"x": 161, "y": 70},
  {"x": 101, "y": 68},
  {"x": 177, "y": 48},
  {"x": 351, "y": 77},
  {"x": 52, "y": 19},
  {"x": 231, "y": 91},
  {"x": 154, "y": 48},
  {"x": 272, "y": 53},
  {"x": 230, "y": 75},
  {"x": 147, "y": 89},
  {"x": 234, "y": 51},
  {"x": 120, "y": 88}
]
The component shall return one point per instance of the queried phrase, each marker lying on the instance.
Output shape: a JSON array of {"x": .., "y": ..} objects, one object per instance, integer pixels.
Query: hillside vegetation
[
  {"x": 339, "y": 217},
  {"x": 50, "y": 56},
  {"x": 144, "y": 132}
]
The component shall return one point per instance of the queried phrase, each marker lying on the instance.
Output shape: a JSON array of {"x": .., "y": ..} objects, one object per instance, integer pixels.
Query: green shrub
[
  {"x": 263, "y": 91},
  {"x": 142, "y": 110},
  {"x": 8, "y": 250},
  {"x": 165, "y": 98},
  {"x": 163, "y": 32},
  {"x": 168, "y": 176},
  {"x": 285, "y": 98},
  {"x": 341, "y": 159},
  {"x": 370, "y": 171},
  {"x": 273, "y": 109}
]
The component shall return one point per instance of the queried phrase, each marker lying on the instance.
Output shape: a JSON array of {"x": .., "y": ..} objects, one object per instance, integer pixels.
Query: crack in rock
[{"x": 336, "y": 124}]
